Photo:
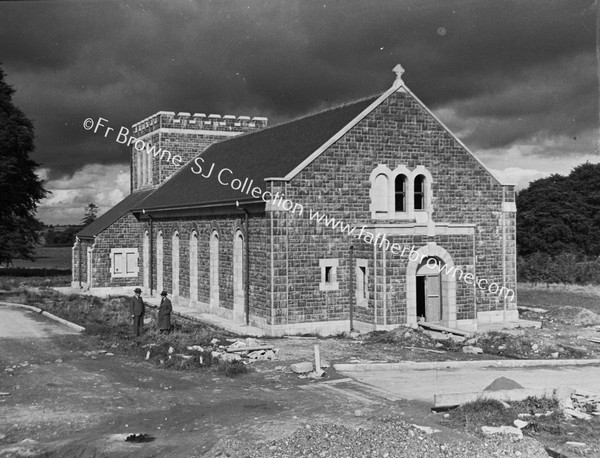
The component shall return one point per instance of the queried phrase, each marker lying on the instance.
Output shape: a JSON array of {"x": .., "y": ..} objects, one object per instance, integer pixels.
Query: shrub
[{"x": 231, "y": 368}]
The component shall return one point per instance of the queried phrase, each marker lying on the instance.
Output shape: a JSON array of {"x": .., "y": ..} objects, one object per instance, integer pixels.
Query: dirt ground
[{"x": 64, "y": 402}]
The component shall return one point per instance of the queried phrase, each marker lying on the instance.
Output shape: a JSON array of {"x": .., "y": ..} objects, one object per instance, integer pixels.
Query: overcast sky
[{"x": 517, "y": 81}]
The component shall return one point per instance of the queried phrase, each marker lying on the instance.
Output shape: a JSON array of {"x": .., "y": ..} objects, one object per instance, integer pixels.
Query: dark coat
[
  {"x": 137, "y": 307},
  {"x": 164, "y": 314}
]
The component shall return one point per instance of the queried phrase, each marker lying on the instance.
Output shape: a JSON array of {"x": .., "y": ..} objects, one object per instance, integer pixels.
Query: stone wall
[
  {"x": 399, "y": 132},
  {"x": 184, "y": 135}
]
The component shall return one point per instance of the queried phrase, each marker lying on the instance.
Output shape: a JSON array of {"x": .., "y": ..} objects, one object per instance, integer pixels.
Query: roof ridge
[{"x": 320, "y": 112}]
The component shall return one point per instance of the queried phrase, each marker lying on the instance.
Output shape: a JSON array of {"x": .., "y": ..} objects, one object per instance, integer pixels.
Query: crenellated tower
[{"x": 183, "y": 134}]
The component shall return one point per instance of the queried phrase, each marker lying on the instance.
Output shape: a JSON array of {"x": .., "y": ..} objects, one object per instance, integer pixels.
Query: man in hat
[
  {"x": 164, "y": 314},
  {"x": 138, "y": 309}
]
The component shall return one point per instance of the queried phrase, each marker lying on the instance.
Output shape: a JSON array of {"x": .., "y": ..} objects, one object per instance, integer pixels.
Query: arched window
[
  {"x": 238, "y": 277},
  {"x": 175, "y": 264},
  {"x": 146, "y": 260},
  {"x": 419, "y": 192},
  {"x": 159, "y": 261},
  {"x": 400, "y": 193},
  {"x": 194, "y": 266},
  {"x": 138, "y": 174},
  {"x": 380, "y": 194},
  {"x": 214, "y": 269},
  {"x": 149, "y": 166}
]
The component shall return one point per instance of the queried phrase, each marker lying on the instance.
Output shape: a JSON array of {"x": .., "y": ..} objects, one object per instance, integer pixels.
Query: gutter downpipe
[
  {"x": 151, "y": 255},
  {"x": 351, "y": 288},
  {"x": 247, "y": 286}
]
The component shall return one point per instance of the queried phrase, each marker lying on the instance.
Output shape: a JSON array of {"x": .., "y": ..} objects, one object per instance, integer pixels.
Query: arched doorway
[
  {"x": 430, "y": 286},
  {"x": 429, "y": 291}
]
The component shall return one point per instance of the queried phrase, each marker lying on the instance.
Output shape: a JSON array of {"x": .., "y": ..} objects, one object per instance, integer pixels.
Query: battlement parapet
[{"x": 198, "y": 121}]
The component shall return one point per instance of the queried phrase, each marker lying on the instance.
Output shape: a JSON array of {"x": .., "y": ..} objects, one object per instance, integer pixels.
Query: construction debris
[
  {"x": 232, "y": 349},
  {"x": 438, "y": 328},
  {"x": 582, "y": 405},
  {"x": 250, "y": 349},
  {"x": 520, "y": 424},
  {"x": 504, "y": 430},
  {"x": 302, "y": 368}
]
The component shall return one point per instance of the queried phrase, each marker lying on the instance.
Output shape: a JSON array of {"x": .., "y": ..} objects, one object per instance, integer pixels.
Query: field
[
  {"x": 557, "y": 295},
  {"x": 47, "y": 258}
]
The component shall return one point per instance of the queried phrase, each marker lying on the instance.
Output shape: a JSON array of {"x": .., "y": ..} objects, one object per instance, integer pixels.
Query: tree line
[{"x": 558, "y": 228}]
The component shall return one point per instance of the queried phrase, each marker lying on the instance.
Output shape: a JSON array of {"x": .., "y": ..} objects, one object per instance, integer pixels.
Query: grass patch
[
  {"x": 48, "y": 258},
  {"x": 485, "y": 412},
  {"x": 232, "y": 368},
  {"x": 557, "y": 296},
  {"x": 548, "y": 426}
]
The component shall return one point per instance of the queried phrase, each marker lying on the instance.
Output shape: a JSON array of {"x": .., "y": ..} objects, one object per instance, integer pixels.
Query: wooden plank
[
  {"x": 239, "y": 349},
  {"x": 437, "y": 327},
  {"x": 456, "y": 399},
  {"x": 428, "y": 350}
]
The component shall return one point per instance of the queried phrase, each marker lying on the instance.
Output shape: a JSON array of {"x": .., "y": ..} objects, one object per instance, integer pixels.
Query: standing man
[
  {"x": 138, "y": 309},
  {"x": 164, "y": 314}
]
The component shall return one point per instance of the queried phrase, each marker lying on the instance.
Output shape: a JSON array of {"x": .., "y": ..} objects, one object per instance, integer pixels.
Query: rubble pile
[
  {"x": 404, "y": 336},
  {"x": 582, "y": 405},
  {"x": 521, "y": 347},
  {"x": 245, "y": 350},
  {"x": 577, "y": 316}
]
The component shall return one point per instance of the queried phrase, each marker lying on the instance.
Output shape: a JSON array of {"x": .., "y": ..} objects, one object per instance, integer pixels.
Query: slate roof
[
  {"x": 112, "y": 215},
  {"x": 272, "y": 152}
]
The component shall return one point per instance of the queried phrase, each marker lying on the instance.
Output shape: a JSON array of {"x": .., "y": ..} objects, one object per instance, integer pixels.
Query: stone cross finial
[{"x": 399, "y": 71}]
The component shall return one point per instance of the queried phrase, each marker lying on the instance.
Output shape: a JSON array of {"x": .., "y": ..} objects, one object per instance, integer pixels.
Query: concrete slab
[
  {"x": 20, "y": 323},
  {"x": 424, "y": 384},
  {"x": 412, "y": 365}
]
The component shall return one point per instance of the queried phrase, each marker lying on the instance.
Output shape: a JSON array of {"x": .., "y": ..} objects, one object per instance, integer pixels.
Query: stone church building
[{"x": 233, "y": 230}]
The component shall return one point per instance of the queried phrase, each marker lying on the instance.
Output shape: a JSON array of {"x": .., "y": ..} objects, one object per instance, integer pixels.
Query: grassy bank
[{"x": 107, "y": 323}]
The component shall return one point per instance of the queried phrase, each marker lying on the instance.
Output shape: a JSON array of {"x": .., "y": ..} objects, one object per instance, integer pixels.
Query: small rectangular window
[
  {"x": 328, "y": 272},
  {"x": 362, "y": 282},
  {"x": 328, "y": 275}
]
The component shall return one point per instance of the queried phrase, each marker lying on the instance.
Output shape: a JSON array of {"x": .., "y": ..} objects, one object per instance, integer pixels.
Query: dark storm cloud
[{"x": 509, "y": 70}]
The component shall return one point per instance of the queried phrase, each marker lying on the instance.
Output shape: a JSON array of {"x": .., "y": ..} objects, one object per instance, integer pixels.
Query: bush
[{"x": 562, "y": 268}]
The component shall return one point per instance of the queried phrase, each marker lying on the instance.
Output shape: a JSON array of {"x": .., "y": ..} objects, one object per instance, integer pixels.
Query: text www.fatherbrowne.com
[{"x": 247, "y": 187}]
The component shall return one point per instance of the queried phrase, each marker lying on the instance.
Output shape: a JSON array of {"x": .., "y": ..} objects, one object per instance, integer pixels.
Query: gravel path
[{"x": 387, "y": 439}]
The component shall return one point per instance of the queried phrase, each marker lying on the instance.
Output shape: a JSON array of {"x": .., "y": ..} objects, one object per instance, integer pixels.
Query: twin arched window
[{"x": 401, "y": 193}]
